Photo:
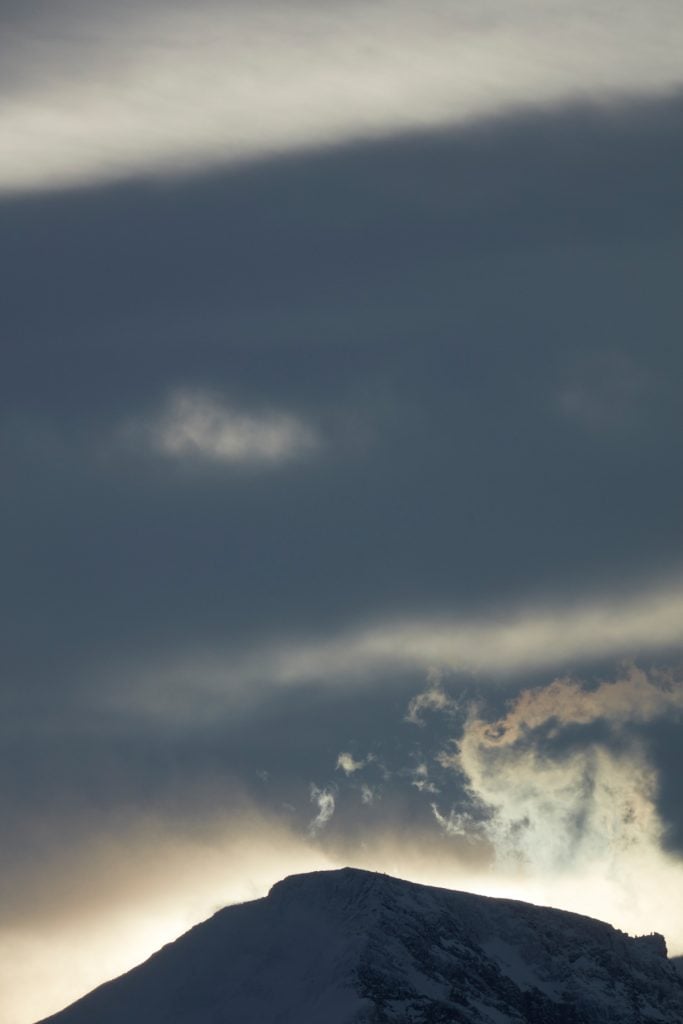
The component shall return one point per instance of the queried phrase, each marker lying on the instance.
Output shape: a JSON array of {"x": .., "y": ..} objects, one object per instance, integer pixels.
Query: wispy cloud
[
  {"x": 168, "y": 87},
  {"x": 434, "y": 698},
  {"x": 367, "y": 794},
  {"x": 198, "y": 426},
  {"x": 455, "y": 824},
  {"x": 420, "y": 779},
  {"x": 325, "y": 802}
]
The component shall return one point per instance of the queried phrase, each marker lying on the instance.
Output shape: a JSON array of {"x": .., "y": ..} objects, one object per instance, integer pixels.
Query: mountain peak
[
  {"x": 344, "y": 882},
  {"x": 356, "y": 947},
  {"x": 347, "y": 876}
]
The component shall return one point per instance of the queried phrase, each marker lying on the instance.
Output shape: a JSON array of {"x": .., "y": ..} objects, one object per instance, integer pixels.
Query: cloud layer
[{"x": 161, "y": 88}]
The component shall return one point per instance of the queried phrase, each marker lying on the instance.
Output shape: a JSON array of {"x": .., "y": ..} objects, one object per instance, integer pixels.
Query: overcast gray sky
[{"x": 341, "y": 459}]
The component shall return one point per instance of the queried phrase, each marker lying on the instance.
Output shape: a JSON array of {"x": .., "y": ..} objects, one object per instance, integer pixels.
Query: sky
[{"x": 340, "y": 432}]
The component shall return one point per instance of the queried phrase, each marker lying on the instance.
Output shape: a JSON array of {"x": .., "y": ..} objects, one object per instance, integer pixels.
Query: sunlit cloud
[
  {"x": 545, "y": 806},
  {"x": 147, "y": 881},
  {"x": 560, "y": 809},
  {"x": 162, "y": 87},
  {"x": 197, "y": 426},
  {"x": 114, "y": 898},
  {"x": 347, "y": 763},
  {"x": 637, "y": 697}
]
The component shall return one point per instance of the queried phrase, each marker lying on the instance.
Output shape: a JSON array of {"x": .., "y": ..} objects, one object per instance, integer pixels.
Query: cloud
[
  {"x": 555, "y": 803},
  {"x": 543, "y": 805},
  {"x": 197, "y": 426},
  {"x": 434, "y": 698},
  {"x": 348, "y": 765},
  {"x": 166, "y": 87},
  {"x": 650, "y": 621},
  {"x": 367, "y": 794},
  {"x": 454, "y": 824},
  {"x": 99, "y": 905},
  {"x": 420, "y": 779},
  {"x": 324, "y": 798},
  {"x": 636, "y": 698},
  {"x": 646, "y": 621},
  {"x": 605, "y": 393}
]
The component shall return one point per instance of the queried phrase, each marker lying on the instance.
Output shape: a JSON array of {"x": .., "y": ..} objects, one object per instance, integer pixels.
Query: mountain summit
[{"x": 354, "y": 947}]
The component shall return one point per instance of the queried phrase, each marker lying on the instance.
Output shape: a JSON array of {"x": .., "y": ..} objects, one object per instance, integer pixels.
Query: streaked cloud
[
  {"x": 195, "y": 426},
  {"x": 619, "y": 627},
  {"x": 505, "y": 645},
  {"x": 159, "y": 88}
]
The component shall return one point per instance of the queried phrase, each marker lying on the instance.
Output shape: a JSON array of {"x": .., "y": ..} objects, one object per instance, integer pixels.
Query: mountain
[{"x": 354, "y": 947}]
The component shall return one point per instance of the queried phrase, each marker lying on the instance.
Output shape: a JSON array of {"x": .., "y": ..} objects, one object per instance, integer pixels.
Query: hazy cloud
[
  {"x": 605, "y": 392},
  {"x": 198, "y": 426},
  {"x": 165, "y": 87},
  {"x": 79, "y": 915}
]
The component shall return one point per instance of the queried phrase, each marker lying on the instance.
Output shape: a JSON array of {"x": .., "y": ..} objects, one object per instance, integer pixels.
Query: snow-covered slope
[{"x": 353, "y": 947}]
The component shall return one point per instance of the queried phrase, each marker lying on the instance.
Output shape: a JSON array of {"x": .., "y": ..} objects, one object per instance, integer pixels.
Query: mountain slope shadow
[{"x": 353, "y": 947}]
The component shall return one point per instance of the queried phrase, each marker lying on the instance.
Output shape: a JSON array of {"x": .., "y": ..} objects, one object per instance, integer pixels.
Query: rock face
[{"x": 353, "y": 947}]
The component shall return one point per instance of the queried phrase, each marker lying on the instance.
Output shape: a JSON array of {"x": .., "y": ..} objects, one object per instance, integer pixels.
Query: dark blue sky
[{"x": 307, "y": 433}]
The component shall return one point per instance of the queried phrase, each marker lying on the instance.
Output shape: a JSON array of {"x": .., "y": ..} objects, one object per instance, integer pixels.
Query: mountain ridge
[{"x": 356, "y": 947}]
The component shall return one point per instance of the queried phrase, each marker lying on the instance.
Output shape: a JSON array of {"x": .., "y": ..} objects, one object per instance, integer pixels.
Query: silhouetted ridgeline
[{"x": 353, "y": 947}]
